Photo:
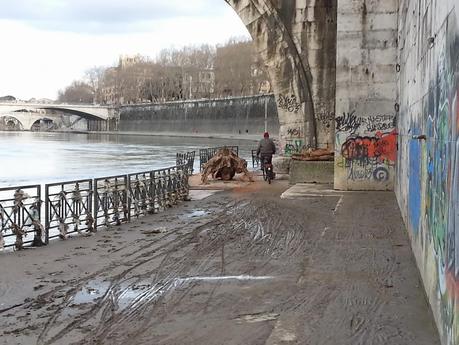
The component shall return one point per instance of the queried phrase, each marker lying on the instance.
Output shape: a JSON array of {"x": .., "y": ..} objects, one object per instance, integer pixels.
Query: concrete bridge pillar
[{"x": 297, "y": 41}]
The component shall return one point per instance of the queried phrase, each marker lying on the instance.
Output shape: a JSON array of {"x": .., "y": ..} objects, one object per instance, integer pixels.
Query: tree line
[{"x": 193, "y": 72}]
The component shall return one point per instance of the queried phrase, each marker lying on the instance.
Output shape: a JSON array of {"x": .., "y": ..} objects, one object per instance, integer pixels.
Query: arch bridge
[{"x": 28, "y": 113}]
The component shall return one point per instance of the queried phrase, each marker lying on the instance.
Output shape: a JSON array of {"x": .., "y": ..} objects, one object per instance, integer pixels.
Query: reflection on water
[{"x": 33, "y": 158}]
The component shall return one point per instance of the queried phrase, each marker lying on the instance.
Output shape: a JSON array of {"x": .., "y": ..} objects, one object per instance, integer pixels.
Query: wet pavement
[{"x": 238, "y": 267}]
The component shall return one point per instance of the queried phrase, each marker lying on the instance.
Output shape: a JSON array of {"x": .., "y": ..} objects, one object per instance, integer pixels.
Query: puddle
[
  {"x": 260, "y": 317},
  {"x": 220, "y": 278},
  {"x": 91, "y": 291},
  {"x": 129, "y": 294},
  {"x": 194, "y": 214}
]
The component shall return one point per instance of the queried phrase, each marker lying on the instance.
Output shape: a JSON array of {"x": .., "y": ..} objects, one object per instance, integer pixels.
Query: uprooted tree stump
[{"x": 224, "y": 165}]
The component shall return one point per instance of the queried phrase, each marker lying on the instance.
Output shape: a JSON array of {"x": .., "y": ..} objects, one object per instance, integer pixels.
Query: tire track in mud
[
  {"x": 244, "y": 225},
  {"x": 333, "y": 276},
  {"x": 82, "y": 282},
  {"x": 357, "y": 307}
]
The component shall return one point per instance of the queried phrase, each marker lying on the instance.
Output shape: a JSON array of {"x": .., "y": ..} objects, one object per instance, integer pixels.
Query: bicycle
[{"x": 267, "y": 168}]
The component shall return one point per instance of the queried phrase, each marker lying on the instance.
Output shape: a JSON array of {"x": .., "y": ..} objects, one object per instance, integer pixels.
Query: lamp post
[{"x": 266, "y": 114}]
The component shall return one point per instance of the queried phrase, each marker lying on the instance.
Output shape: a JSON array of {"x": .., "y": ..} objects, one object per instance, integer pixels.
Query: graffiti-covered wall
[
  {"x": 365, "y": 136},
  {"x": 428, "y": 169}
]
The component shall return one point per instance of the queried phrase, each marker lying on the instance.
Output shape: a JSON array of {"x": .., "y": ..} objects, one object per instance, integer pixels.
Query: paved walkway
[{"x": 238, "y": 267}]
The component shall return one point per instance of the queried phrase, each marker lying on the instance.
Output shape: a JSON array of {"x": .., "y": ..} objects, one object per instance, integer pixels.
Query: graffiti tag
[
  {"x": 348, "y": 122},
  {"x": 358, "y": 172},
  {"x": 294, "y": 132},
  {"x": 351, "y": 123},
  {"x": 289, "y": 103},
  {"x": 293, "y": 146},
  {"x": 380, "y": 122},
  {"x": 325, "y": 119}
]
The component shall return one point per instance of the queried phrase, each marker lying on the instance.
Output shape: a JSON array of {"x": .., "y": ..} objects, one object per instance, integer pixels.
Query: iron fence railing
[
  {"x": 186, "y": 159},
  {"x": 20, "y": 216},
  {"x": 83, "y": 206},
  {"x": 111, "y": 200},
  {"x": 206, "y": 154},
  {"x": 154, "y": 191},
  {"x": 68, "y": 208},
  {"x": 141, "y": 194}
]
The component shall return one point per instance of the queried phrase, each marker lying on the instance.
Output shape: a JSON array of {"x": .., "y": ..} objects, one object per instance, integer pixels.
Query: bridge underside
[
  {"x": 298, "y": 44},
  {"x": 81, "y": 114}
]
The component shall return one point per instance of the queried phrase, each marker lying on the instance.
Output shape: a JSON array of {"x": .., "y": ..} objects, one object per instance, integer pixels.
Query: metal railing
[
  {"x": 20, "y": 216},
  {"x": 68, "y": 208},
  {"x": 186, "y": 159},
  {"x": 111, "y": 201},
  {"x": 141, "y": 194},
  {"x": 82, "y": 206},
  {"x": 206, "y": 154}
]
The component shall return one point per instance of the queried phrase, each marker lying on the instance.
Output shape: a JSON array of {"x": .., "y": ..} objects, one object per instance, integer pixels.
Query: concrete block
[
  {"x": 282, "y": 165},
  {"x": 311, "y": 172}
]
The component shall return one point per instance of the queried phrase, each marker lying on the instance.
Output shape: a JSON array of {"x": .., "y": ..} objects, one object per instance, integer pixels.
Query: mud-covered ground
[{"x": 239, "y": 267}]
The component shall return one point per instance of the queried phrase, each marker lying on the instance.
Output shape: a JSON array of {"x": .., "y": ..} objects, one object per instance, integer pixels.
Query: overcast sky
[{"x": 46, "y": 44}]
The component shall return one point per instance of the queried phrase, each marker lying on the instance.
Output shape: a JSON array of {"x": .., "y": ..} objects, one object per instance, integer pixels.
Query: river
[{"x": 45, "y": 157}]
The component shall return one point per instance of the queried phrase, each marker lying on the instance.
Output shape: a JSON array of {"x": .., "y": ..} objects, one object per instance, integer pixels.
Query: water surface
[{"x": 34, "y": 158}]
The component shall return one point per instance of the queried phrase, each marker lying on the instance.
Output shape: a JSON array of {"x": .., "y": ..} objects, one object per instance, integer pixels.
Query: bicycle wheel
[{"x": 265, "y": 175}]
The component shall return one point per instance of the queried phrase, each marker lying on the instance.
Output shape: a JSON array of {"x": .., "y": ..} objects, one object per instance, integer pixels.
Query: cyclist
[{"x": 266, "y": 149}]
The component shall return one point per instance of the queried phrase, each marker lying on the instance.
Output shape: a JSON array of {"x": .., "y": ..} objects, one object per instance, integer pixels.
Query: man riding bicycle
[{"x": 266, "y": 149}]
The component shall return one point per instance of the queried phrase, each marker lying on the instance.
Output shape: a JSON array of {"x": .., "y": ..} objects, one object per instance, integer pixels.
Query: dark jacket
[{"x": 266, "y": 147}]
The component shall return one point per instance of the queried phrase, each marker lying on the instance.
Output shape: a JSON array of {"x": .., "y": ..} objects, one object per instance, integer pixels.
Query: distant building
[
  {"x": 127, "y": 61},
  {"x": 198, "y": 84}
]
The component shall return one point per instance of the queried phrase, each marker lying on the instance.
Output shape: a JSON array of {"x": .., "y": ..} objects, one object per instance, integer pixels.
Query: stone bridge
[{"x": 29, "y": 113}]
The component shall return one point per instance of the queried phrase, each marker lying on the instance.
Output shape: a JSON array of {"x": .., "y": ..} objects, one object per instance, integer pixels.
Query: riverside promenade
[{"x": 238, "y": 264}]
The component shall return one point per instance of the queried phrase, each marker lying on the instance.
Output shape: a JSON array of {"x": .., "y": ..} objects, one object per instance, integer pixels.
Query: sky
[{"x": 47, "y": 44}]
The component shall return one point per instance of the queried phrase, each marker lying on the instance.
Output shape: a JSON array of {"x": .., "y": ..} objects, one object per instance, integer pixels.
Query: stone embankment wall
[
  {"x": 242, "y": 115},
  {"x": 365, "y": 139},
  {"x": 428, "y": 169}
]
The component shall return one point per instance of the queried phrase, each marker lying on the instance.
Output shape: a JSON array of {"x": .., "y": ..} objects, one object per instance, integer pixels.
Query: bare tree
[
  {"x": 93, "y": 78},
  {"x": 77, "y": 92},
  {"x": 190, "y": 72},
  {"x": 237, "y": 70}
]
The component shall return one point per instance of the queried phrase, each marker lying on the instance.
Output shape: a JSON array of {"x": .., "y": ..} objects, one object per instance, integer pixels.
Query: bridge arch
[
  {"x": 8, "y": 122},
  {"x": 43, "y": 120},
  {"x": 298, "y": 44},
  {"x": 25, "y": 119}
]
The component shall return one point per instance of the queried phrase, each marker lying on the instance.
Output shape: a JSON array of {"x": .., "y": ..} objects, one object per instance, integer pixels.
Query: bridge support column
[{"x": 297, "y": 42}]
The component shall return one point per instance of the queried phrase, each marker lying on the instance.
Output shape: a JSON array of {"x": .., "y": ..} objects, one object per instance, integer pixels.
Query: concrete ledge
[
  {"x": 311, "y": 172},
  {"x": 282, "y": 164}
]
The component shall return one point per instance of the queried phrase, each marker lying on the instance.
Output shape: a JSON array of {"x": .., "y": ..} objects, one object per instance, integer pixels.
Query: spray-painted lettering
[{"x": 289, "y": 103}]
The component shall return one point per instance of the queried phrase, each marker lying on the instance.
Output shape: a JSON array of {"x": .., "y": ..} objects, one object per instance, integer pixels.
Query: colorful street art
[
  {"x": 368, "y": 148},
  {"x": 429, "y": 169},
  {"x": 293, "y": 146},
  {"x": 379, "y": 149}
]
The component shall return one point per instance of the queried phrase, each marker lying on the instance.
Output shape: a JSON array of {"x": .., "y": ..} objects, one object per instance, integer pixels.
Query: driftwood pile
[
  {"x": 314, "y": 155},
  {"x": 224, "y": 165}
]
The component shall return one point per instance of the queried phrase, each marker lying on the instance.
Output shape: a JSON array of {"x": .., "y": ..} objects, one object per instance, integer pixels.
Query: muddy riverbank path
[{"x": 239, "y": 267}]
